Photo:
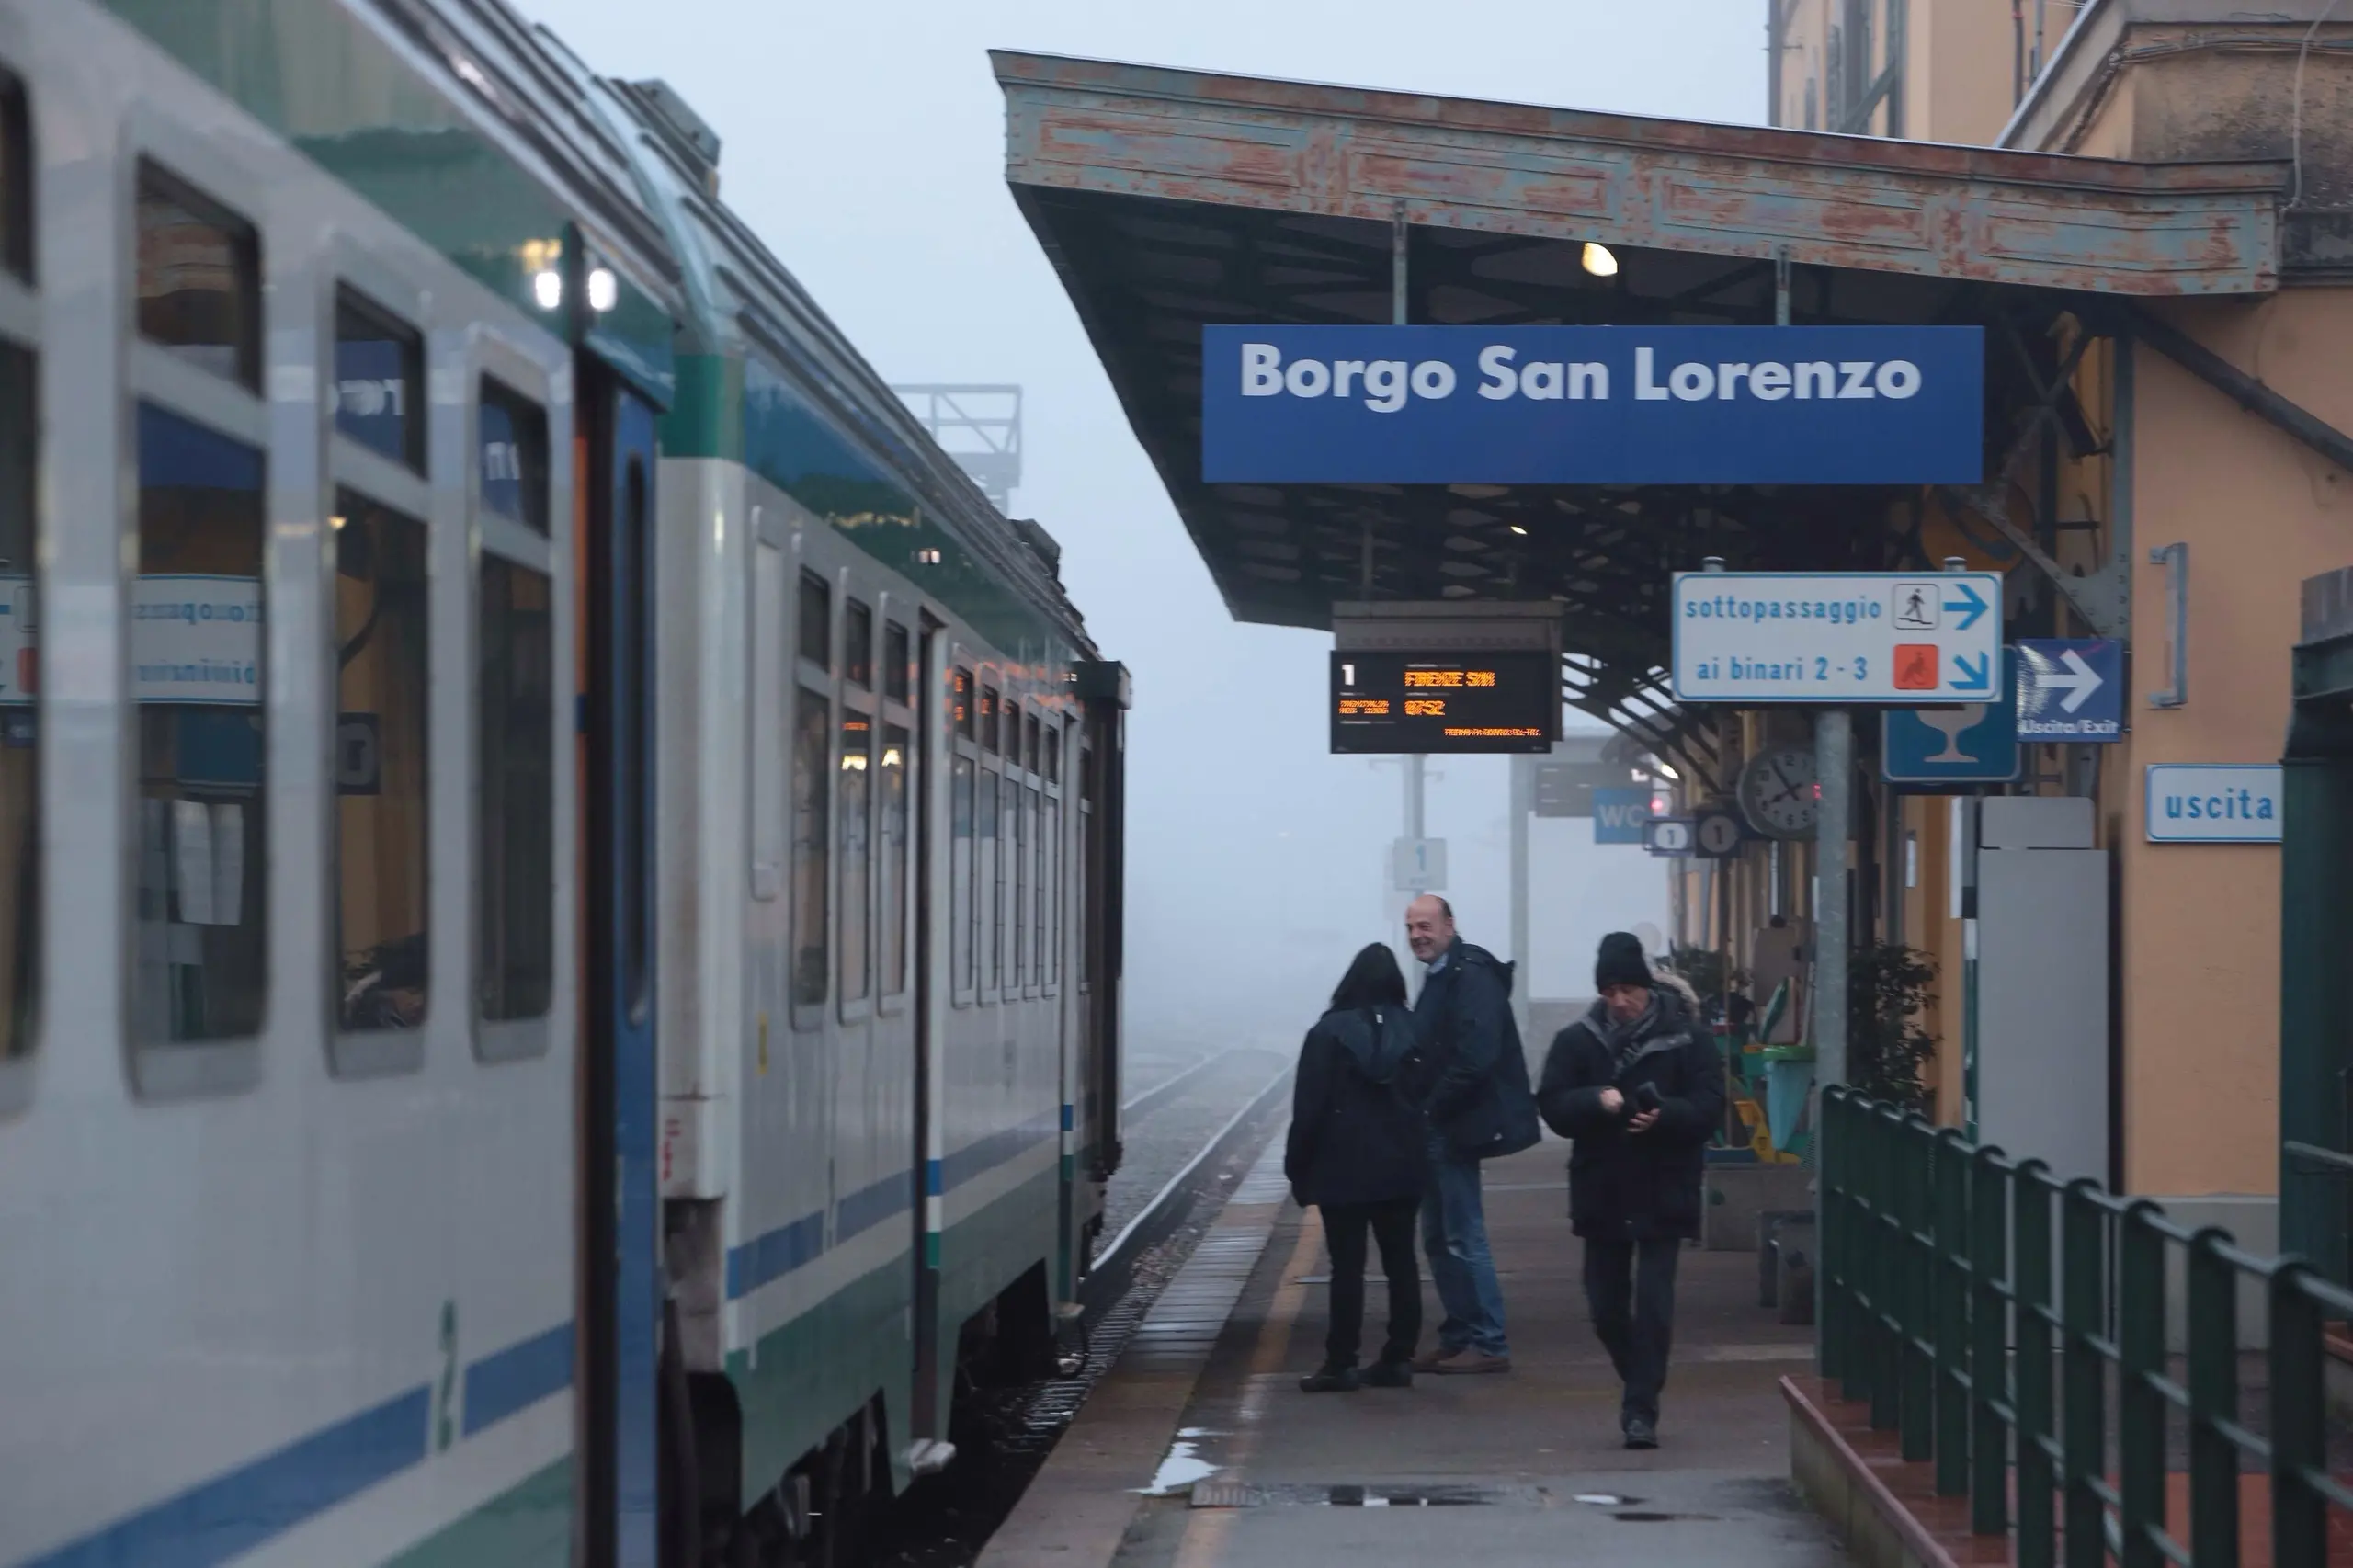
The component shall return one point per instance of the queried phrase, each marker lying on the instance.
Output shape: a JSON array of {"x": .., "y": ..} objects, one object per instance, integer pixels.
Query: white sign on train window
[{"x": 195, "y": 638}]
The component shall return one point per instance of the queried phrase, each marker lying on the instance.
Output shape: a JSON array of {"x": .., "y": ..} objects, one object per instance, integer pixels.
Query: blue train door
[{"x": 621, "y": 1286}]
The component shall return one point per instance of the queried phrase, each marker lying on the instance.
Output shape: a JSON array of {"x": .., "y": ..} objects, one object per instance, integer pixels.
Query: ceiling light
[
  {"x": 1599, "y": 261},
  {"x": 547, "y": 288}
]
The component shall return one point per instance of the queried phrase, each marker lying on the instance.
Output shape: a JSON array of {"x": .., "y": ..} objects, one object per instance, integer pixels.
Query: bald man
[{"x": 1474, "y": 1095}]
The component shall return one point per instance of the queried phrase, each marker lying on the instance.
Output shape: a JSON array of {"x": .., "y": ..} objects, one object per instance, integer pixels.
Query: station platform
[{"x": 1197, "y": 1450}]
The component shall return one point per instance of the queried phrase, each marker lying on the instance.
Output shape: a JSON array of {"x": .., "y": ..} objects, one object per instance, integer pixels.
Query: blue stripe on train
[
  {"x": 768, "y": 1257},
  {"x": 234, "y": 1512}
]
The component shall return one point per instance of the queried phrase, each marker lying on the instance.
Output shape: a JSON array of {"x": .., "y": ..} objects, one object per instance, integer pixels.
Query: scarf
[{"x": 1621, "y": 1040}]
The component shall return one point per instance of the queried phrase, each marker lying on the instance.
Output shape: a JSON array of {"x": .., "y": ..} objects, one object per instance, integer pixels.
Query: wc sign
[
  {"x": 1592, "y": 405},
  {"x": 1618, "y": 816}
]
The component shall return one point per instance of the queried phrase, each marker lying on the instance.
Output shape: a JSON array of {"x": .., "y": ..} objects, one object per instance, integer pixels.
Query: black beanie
[{"x": 1621, "y": 963}]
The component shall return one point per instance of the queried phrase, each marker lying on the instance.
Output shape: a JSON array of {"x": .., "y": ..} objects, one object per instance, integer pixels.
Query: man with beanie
[
  {"x": 1640, "y": 1088},
  {"x": 1472, "y": 1090}
]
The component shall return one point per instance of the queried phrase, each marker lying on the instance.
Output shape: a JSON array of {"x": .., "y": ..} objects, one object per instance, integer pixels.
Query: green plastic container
[{"x": 1789, "y": 1079}]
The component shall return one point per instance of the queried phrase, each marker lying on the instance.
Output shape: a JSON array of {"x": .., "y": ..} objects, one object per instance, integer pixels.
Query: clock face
[{"x": 1778, "y": 794}]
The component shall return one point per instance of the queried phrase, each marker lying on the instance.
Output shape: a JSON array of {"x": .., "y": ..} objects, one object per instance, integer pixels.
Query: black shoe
[
  {"x": 1640, "y": 1434},
  {"x": 1389, "y": 1375},
  {"x": 1331, "y": 1379}
]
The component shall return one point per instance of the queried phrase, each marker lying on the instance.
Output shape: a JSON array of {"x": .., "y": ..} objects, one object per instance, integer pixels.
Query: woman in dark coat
[{"x": 1356, "y": 1153}]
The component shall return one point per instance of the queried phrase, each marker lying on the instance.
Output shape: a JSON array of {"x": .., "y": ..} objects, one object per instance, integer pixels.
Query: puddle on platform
[{"x": 1179, "y": 1470}]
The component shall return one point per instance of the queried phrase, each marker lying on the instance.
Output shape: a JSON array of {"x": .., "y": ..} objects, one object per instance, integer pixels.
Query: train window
[
  {"x": 515, "y": 791},
  {"x": 857, "y": 645},
  {"x": 1031, "y": 744},
  {"x": 962, "y": 950},
  {"x": 816, "y": 621},
  {"x": 379, "y": 373},
  {"x": 1080, "y": 893},
  {"x": 965, "y": 707},
  {"x": 895, "y": 808},
  {"x": 989, "y": 930},
  {"x": 1054, "y": 753},
  {"x": 514, "y": 455},
  {"x": 988, "y": 718},
  {"x": 16, "y": 182},
  {"x": 1050, "y": 854},
  {"x": 812, "y": 806},
  {"x": 1038, "y": 887},
  {"x": 767, "y": 721},
  {"x": 381, "y": 765},
  {"x": 857, "y": 820},
  {"x": 199, "y": 278},
  {"x": 201, "y": 969},
  {"x": 19, "y": 716},
  {"x": 895, "y": 662},
  {"x": 1016, "y": 908}
]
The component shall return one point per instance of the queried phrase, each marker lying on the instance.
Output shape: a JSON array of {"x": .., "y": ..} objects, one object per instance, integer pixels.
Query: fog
[{"x": 865, "y": 142}]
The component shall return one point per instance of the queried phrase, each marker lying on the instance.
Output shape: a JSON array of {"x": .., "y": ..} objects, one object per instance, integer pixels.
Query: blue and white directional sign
[
  {"x": 2070, "y": 688},
  {"x": 1974, "y": 744},
  {"x": 2212, "y": 802},
  {"x": 1618, "y": 816},
  {"x": 1592, "y": 404},
  {"x": 1906, "y": 639}
]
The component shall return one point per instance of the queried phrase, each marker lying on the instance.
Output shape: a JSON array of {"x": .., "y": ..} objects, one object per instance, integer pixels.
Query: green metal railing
[{"x": 1984, "y": 1309}]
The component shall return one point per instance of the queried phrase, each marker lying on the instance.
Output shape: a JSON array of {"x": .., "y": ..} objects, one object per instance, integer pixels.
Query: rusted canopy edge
[{"x": 1972, "y": 213}]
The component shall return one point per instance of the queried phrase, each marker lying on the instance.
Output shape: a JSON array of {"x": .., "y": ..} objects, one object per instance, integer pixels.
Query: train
[{"x": 560, "y": 864}]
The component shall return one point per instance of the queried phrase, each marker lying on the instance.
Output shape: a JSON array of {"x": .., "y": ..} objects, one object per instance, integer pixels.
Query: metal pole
[
  {"x": 1834, "y": 763},
  {"x": 1398, "y": 234},
  {"x": 1523, "y": 798}
]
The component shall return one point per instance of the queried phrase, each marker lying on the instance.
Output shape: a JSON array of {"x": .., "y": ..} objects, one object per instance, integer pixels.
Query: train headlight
[{"x": 547, "y": 288}]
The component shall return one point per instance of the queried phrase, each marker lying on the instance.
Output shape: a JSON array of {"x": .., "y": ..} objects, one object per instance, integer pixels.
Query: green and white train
[{"x": 560, "y": 865}]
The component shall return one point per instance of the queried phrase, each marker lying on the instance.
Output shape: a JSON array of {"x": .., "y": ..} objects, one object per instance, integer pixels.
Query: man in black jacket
[
  {"x": 1476, "y": 1099},
  {"x": 1640, "y": 1087}
]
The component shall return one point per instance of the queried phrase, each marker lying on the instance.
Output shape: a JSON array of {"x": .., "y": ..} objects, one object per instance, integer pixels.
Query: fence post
[
  {"x": 2141, "y": 1404},
  {"x": 1887, "y": 1251},
  {"x": 2213, "y": 1400},
  {"x": 2084, "y": 1410},
  {"x": 1989, "y": 1354},
  {"x": 1917, "y": 1392},
  {"x": 1831, "y": 1352},
  {"x": 1860, "y": 1235},
  {"x": 2030, "y": 1262},
  {"x": 2299, "y": 1430},
  {"x": 1950, "y": 1283}
]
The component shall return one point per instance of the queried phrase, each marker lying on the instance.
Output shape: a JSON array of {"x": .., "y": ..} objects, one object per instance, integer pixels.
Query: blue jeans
[{"x": 1454, "y": 1234}]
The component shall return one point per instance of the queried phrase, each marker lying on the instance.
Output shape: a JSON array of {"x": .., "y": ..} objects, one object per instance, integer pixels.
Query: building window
[
  {"x": 382, "y": 698},
  {"x": 199, "y": 278},
  {"x": 816, "y": 621},
  {"x": 894, "y": 923},
  {"x": 856, "y": 814},
  {"x": 379, "y": 373},
  {"x": 515, "y": 791},
  {"x": 19, "y": 700},
  {"x": 962, "y": 851},
  {"x": 812, "y": 868},
  {"x": 513, "y": 441},
  {"x": 201, "y": 967},
  {"x": 857, "y": 645},
  {"x": 896, "y": 662}
]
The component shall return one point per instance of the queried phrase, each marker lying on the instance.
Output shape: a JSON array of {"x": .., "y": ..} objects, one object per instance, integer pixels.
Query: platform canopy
[{"x": 1172, "y": 199}]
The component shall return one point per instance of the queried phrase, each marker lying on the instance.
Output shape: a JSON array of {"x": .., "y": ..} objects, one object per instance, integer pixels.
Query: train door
[
  {"x": 620, "y": 1285},
  {"x": 929, "y": 1420}
]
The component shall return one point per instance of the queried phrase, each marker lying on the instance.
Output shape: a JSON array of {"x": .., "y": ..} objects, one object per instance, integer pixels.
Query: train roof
[{"x": 744, "y": 304}]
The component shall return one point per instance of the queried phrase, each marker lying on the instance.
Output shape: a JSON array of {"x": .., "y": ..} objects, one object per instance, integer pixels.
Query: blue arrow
[
  {"x": 1968, "y": 679},
  {"x": 1970, "y": 600}
]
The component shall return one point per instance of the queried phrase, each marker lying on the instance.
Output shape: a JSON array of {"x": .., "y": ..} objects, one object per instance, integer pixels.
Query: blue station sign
[{"x": 1592, "y": 405}]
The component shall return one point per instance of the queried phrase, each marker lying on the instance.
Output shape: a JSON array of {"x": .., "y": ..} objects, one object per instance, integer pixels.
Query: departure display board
[{"x": 1432, "y": 703}]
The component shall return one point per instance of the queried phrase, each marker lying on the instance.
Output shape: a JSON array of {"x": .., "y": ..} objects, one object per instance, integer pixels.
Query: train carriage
[{"x": 555, "y": 982}]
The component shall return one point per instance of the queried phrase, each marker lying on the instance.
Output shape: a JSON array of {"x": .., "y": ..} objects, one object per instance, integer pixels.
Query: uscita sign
[
  {"x": 1585, "y": 405},
  {"x": 2212, "y": 804}
]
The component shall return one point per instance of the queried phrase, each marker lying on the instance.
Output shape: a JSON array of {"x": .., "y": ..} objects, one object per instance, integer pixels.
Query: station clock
[{"x": 1779, "y": 793}]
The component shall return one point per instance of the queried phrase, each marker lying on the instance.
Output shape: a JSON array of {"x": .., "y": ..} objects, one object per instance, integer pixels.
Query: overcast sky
[{"x": 864, "y": 140}]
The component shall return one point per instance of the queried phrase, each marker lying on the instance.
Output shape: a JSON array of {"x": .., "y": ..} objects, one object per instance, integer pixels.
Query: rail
[
  {"x": 1985, "y": 1335},
  {"x": 1168, "y": 1088},
  {"x": 1113, "y": 1268}
]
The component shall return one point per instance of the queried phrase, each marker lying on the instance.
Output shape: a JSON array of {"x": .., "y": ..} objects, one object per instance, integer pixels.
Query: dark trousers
[
  {"x": 1392, "y": 1225},
  {"x": 1630, "y": 1288}
]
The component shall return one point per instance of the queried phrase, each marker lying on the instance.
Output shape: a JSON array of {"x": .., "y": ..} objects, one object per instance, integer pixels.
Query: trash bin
[{"x": 1789, "y": 1079}]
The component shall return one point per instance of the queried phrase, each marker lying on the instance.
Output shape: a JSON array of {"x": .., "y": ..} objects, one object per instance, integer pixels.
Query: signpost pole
[
  {"x": 1397, "y": 248},
  {"x": 1523, "y": 791}
]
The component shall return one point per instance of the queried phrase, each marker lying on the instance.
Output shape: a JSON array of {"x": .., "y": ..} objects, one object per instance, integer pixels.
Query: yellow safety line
[{"x": 1206, "y": 1528}]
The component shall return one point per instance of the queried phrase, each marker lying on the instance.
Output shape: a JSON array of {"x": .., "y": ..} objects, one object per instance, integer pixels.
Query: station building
[{"x": 2147, "y": 213}]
